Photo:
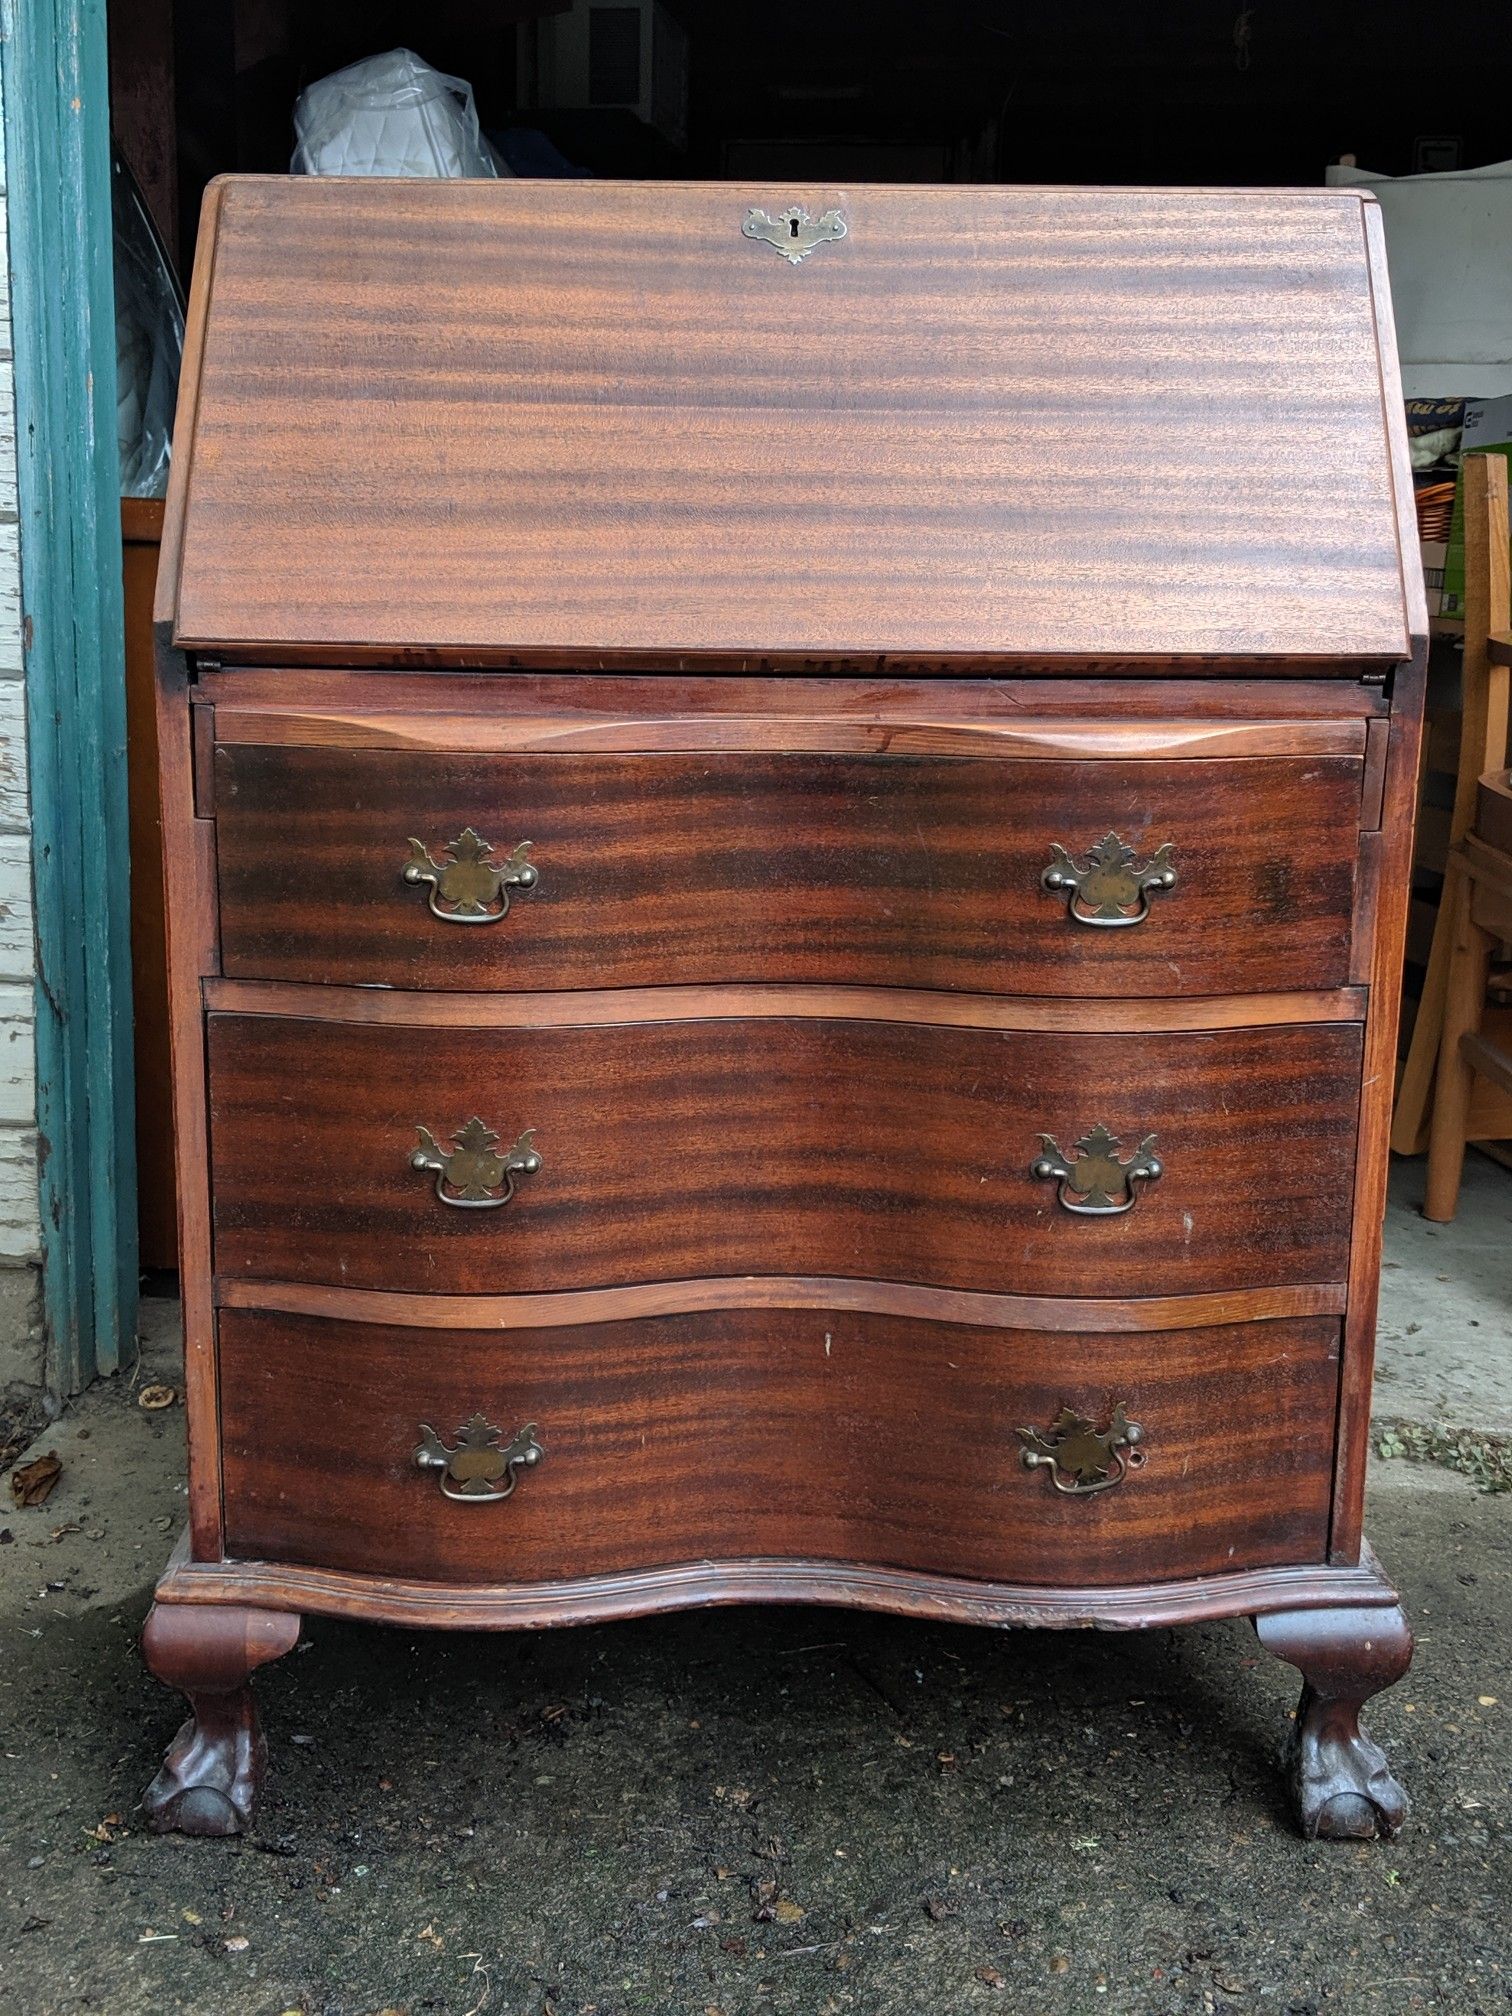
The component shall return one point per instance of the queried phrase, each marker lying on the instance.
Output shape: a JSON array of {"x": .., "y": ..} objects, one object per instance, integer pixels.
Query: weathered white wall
[
  {"x": 1449, "y": 249},
  {"x": 19, "y": 1233}
]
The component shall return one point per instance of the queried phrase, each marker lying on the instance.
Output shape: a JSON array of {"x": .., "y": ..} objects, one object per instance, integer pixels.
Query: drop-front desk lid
[{"x": 661, "y": 423}]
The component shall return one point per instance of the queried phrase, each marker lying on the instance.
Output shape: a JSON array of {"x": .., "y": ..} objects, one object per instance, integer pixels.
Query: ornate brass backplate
[
  {"x": 1095, "y": 1184},
  {"x": 793, "y": 232},
  {"x": 1109, "y": 889},
  {"x": 467, "y": 886},
  {"x": 474, "y": 1175},
  {"x": 482, "y": 1467},
  {"x": 1082, "y": 1458}
]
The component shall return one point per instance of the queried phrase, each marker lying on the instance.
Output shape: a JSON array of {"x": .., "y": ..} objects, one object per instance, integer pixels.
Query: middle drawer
[{"x": 784, "y": 1145}]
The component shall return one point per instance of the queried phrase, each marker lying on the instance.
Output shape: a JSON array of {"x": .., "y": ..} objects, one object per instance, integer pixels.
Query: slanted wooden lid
[{"x": 594, "y": 422}]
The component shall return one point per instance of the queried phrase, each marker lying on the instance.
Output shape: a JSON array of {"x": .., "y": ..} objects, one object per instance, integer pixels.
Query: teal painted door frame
[{"x": 57, "y": 145}]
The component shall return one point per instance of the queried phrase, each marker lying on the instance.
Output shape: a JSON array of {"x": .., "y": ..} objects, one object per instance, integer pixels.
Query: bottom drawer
[{"x": 790, "y": 1433}]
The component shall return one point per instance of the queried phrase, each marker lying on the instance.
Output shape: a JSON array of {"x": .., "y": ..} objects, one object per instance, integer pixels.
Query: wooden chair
[
  {"x": 1472, "y": 1095},
  {"x": 1451, "y": 1061},
  {"x": 1482, "y": 747}
]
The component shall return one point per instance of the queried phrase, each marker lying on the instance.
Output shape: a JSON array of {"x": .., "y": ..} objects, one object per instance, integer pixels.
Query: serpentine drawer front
[
  {"x": 900, "y": 870},
  {"x": 847, "y": 1436},
  {"x": 880, "y": 1149},
  {"x": 786, "y": 820}
]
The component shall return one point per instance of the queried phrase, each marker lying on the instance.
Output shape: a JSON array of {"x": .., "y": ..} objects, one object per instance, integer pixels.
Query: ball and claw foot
[
  {"x": 1340, "y": 1781},
  {"x": 214, "y": 1768}
]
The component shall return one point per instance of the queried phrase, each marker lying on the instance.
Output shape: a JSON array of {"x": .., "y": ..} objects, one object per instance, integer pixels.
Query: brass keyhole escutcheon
[{"x": 793, "y": 232}]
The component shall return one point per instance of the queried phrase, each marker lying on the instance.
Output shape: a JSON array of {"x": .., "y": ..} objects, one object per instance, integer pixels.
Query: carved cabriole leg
[
  {"x": 214, "y": 1768},
  {"x": 1341, "y": 1781}
]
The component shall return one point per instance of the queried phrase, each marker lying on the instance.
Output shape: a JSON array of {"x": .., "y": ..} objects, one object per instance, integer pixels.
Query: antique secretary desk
[{"x": 787, "y": 818}]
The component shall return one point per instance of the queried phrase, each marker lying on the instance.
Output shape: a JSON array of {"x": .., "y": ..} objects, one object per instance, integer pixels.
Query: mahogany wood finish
[
  {"x": 523, "y": 709},
  {"x": 586, "y": 1008},
  {"x": 991, "y": 422},
  {"x": 190, "y": 922},
  {"x": 809, "y": 1433},
  {"x": 885, "y": 870},
  {"x": 794, "y": 614},
  {"x": 157, "y": 1216},
  {"x": 214, "y": 1768},
  {"x": 644, "y": 1592},
  {"x": 1341, "y": 1779},
  {"x": 190, "y": 918},
  {"x": 890, "y": 1151},
  {"x": 1390, "y": 864},
  {"x": 784, "y": 1291},
  {"x": 919, "y": 730}
]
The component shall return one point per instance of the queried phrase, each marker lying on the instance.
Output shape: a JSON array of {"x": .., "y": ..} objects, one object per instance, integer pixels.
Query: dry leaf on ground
[{"x": 32, "y": 1483}]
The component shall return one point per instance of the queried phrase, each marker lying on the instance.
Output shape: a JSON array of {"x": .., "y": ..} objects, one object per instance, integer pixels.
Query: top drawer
[{"x": 916, "y": 870}]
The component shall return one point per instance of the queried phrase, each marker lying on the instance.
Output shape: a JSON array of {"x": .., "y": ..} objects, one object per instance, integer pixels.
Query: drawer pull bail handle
[
  {"x": 475, "y": 1176},
  {"x": 473, "y": 887},
  {"x": 1109, "y": 890},
  {"x": 1094, "y": 1183},
  {"x": 1082, "y": 1458},
  {"x": 482, "y": 1467}
]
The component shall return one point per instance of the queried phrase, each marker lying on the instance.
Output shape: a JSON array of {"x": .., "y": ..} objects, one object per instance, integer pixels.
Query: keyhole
[{"x": 792, "y": 227}]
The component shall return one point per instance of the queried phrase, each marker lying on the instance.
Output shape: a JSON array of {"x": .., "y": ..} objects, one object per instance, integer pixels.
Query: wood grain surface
[
  {"x": 585, "y": 1007},
  {"x": 781, "y": 1291},
  {"x": 843, "y": 1436},
  {"x": 1493, "y": 810},
  {"x": 1389, "y": 868},
  {"x": 1386, "y": 876},
  {"x": 1414, "y": 594},
  {"x": 874, "y": 1150},
  {"x": 593, "y": 418},
  {"x": 157, "y": 1213},
  {"x": 899, "y": 871},
  {"x": 245, "y": 698},
  {"x": 190, "y": 912},
  {"x": 395, "y": 1599},
  {"x": 480, "y": 728}
]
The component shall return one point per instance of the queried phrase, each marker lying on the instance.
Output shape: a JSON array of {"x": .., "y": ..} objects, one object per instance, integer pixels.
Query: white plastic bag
[
  {"x": 390, "y": 115},
  {"x": 149, "y": 340}
]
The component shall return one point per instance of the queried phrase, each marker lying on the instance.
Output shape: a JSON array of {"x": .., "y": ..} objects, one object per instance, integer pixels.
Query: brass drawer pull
[
  {"x": 475, "y": 1176},
  {"x": 479, "y": 1470},
  {"x": 474, "y": 888},
  {"x": 1080, "y": 1458},
  {"x": 1109, "y": 889},
  {"x": 1096, "y": 1184}
]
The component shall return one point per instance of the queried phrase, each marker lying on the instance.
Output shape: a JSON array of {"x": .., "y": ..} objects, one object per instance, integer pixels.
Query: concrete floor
[
  {"x": 1445, "y": 1325},
  {"x": 767, "y": 1811}
]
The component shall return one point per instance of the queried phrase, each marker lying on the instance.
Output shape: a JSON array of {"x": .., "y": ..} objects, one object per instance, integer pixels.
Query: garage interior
[
  {"x": 1191, "y": 94},
  {"x": 941, "y": 1741}
]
